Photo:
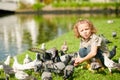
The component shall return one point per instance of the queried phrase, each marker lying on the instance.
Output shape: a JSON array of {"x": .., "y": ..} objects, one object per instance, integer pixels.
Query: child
[{"x": 91, "y": 45}]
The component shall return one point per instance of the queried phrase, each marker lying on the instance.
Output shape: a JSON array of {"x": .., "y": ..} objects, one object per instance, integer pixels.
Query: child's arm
[{"x": 92, "y": 53}]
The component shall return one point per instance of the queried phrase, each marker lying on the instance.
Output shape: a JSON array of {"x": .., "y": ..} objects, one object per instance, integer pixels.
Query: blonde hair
[{"x": 90, "y": 24}]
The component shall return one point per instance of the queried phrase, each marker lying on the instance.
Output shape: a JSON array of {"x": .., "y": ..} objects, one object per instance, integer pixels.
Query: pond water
[{"x": 20, "y": 32}]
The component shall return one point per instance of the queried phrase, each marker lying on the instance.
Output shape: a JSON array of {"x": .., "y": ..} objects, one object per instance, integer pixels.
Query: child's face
[{"x": 84, "y": 31}]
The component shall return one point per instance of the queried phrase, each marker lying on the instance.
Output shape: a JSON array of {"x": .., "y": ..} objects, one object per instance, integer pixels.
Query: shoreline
[
  {"x": 70, "y": 11},
  {"x": 59, "y": 11}
]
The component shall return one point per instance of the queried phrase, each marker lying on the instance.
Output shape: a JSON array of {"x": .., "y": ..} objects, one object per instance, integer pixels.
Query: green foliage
[
  {"x": 85, "y": 4},
  {"x": 38, "y": 6},
  {"x": 48, "y": 1},
  {"x": 24, "y": 6}
]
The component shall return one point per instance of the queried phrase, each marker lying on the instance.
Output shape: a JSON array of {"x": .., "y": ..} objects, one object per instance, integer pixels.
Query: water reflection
[{"x": 20, "y": 32}]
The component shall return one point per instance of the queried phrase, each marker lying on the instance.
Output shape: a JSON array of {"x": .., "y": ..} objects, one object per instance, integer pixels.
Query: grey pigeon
[
  {"x": 38, "y": 63},
  {"x": 48, "y": 64},
  {"x": 114, "y": 34},
  {"x": 105, "y": 39},
  {"x": 110, "y": 64},
  {"x": 69, "y": 70},
  {"x": 59, "y": 67},
  {"x": 8, "y": 71},
  {"x": 46, "y": 75},
  {"x": 65, "y": 57},
  {"x": 21, "y": 75},
  {"x": 95, "y": 65}
]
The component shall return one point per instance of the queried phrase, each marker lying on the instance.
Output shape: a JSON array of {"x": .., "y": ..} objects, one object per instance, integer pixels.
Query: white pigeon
[
  {"x": 1, "y": 66},
  {"x": 43, "y": 46},
  {"x": 7, "y": 61},
  {"x": 110, "y": 21},
  {"x": 20, "y": 75},
  {"x": 110, "y": 64},
  {"x": 27, "y": 59},
  {"x": 31, "y": 65},
  {"x": 16, "y": 66}
]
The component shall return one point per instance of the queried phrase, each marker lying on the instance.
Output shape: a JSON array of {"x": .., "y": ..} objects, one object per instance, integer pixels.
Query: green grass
[
  {"x": 82, "y": 74},
  {"x": 85, "y": 4}
]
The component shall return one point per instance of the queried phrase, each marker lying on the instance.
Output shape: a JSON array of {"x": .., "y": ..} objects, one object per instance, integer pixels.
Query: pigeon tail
[
  {"x": 113, "y": 52},
  {"x": 110, "y": 64},
  {"x": 37, "y": 50},
  {"x": 117, "y": 66}
]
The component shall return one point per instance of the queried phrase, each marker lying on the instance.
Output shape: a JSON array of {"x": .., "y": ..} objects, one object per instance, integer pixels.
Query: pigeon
[
  {"x": 7, "y": 61},
  {"x": 48, "y": 64},
  {"x": 20, "y": 75},
  {"x": 46, "y": 56},
  {"x": 95, "y": 65},
  {"x": 56, "y": 57},
  {"x": 8, "y": 71},
  {"x": 31, "y": 65},
  {"x": 69, "y": 69},
  {"x": 46, "y": 75},
  {"x": 113, "y": 52},
  {"x": 43, "y": 46},
  {"x": 110, "y": 21},
  {"x": 64, "y": 47},
  {"x": 119, "y": 60},
  {"x": 105, "y": 39},
  {"x": 65, "y": 57},
  {"x": 37, "y": 63},
  {"x": 61, "y": 52},
  {"x": 114, "y": 34},
  {"x": 54, "y": 54},
  {"x": 75, "y": 55},
  {"x": 110, "y": 64},
  {"x": 59, "y": 66},
  {"x": 17, "y": 66},
  {"x": 27, "y": 59}
]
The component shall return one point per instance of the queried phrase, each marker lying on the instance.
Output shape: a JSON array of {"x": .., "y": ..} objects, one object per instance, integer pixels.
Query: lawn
[{"x": 73, "y": 43}]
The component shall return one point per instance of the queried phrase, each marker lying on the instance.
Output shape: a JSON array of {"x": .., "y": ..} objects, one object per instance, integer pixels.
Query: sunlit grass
[{"x": 85, "y": 4}]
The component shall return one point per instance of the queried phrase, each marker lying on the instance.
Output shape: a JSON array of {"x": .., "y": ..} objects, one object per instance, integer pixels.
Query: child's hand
[
  {"x": 75, "y": 64},
  {"x": 78, "y": 60}
]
